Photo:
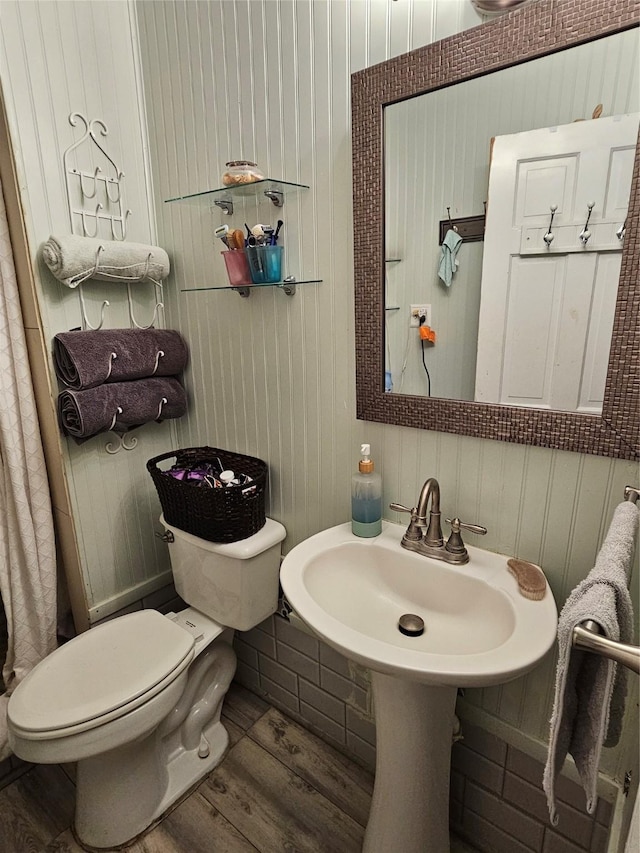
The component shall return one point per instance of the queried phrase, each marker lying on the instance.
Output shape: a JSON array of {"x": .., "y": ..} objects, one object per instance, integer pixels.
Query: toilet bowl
[{"x": 136, "y": 701}]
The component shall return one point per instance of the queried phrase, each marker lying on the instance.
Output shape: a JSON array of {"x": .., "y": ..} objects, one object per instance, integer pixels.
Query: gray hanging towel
[
  {"x": 120, "y": 406},
  {"x": 591, "y": 690},
  {"x": 86, "y": 359}
]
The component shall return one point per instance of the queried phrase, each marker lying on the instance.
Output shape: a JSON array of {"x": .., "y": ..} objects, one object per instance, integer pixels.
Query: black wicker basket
[{"x": 218, "y": 515}]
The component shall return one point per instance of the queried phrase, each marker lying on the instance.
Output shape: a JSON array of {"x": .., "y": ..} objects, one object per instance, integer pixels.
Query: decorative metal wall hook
[
  {"x": 157, "y": 364},
  {"x": 103, "y": 180},
  {"x": 119, "y": 444},
  {"x": 451, "y": 225},
  {"x": 156, "y": 311},
  {"x": 585, "y": 234},
  {"x": 621, "y": 230},
  {"x": 84, "y": 214},
  {"x": 163, "y": 402},
  {"x": 118, "y": 411},
  {"x": 123, "y": 225},
  {"x": 548, "y": 237},
  {"x": 83, "y": 310},
  {"x": 111, "y": 182},
  {"x": 82, "y": 176},
  {"x": 112, "y": 358}
]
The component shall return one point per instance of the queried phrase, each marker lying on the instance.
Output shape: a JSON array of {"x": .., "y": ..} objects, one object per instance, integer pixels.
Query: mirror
[
  {"x": 532, "y": 51},
  {"x": 561, "y": 295}
]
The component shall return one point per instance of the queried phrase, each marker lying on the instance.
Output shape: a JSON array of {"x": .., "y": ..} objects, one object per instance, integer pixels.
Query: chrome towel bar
[
  {"x": 587, "y": 636},
  {"x": 632, "y": 493}
]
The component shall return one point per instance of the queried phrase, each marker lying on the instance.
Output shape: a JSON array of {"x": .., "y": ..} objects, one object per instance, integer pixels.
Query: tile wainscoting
[{"x": 497, "y": 802}]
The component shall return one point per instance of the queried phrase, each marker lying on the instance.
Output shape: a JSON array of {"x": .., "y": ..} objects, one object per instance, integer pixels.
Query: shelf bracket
[
  {"x": 288, "y": 286},
  {"x": 226, "y": 205},
  {"x": 243, "y": 291},
  {"x": 276, "y": 197}
]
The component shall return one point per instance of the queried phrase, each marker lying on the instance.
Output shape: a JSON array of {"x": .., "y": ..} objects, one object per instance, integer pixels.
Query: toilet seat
[{"x": 100, "y": 675}]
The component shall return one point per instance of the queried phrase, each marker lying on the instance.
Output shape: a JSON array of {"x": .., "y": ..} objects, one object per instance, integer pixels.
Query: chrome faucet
[{"x": 432, "y": 544}]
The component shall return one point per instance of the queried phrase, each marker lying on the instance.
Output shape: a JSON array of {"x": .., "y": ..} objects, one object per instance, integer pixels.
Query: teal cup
[{"x": 265, "y": 264}]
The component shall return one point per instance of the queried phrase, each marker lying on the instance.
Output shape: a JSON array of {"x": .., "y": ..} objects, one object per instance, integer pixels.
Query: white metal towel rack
[{"x": 95, "y": 196}]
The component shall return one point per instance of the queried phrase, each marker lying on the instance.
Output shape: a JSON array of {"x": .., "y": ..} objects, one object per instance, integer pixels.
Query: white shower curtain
[{"x": 27, "y": 545}]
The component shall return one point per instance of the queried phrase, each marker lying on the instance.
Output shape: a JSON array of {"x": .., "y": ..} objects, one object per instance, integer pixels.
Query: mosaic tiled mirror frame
[{"x": 537, "y": 29}]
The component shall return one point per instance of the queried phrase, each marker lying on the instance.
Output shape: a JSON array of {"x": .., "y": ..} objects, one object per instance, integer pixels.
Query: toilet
[{"x": 136, "y": 701}]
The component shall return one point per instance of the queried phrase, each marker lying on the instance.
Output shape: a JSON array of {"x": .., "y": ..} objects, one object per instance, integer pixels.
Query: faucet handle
[
  {"x": 402, "y": 508},
  {"x": 455, "y": 545},
  {"x": 414, "y": 530},
  {"x": 415, "y": 518},
  {"x": 457, "y": 525}
]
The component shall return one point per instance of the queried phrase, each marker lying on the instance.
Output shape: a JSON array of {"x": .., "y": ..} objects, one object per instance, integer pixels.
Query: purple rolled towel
[
  {"x": 86, "y": 359},
  {"x": 83, "y": 414}
]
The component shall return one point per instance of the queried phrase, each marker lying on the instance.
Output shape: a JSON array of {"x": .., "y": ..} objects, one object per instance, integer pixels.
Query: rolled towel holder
[{"x": 68, "y": 260}]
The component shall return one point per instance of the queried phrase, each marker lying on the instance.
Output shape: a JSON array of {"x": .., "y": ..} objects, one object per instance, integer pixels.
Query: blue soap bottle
[{"x": 366, "y": 497}]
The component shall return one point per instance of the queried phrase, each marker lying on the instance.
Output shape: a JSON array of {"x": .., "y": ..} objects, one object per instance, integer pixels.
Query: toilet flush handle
[{"x": 167, "y": 536}]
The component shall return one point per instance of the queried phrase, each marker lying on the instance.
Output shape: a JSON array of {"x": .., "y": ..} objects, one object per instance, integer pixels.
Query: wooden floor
[{"x": 279, "y": 788}]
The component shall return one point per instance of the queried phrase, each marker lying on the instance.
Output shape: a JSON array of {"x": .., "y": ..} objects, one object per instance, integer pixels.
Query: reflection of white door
[{"x": 546, "y": 312}]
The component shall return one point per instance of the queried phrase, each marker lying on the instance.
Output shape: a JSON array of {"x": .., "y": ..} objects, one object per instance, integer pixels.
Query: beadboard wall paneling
[
  {"x": 56, "y": 58},
  {"x": 274, "y": 376}
]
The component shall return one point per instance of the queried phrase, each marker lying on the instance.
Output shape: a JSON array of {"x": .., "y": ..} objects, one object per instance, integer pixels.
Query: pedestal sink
[{"x": 478, "y": 630}]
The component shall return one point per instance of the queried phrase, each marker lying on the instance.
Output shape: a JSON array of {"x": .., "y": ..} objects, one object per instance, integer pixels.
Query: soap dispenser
[{"x": 366, "y": 497}]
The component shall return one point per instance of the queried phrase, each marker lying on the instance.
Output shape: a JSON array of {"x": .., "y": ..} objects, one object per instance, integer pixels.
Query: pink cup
[{"x": 237, "y": 268}]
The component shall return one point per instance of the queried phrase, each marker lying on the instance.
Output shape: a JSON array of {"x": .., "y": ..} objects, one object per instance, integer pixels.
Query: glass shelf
[
  {"x": 244, "y": 289},
  {"x": 266, "y": 187}
]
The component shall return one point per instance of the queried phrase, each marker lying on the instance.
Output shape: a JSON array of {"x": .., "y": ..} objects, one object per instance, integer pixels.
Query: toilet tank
[{"x": 236, "y": 583}]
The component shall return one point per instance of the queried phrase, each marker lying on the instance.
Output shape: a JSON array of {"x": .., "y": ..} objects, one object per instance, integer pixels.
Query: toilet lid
[{"x": 109, "y": 667}]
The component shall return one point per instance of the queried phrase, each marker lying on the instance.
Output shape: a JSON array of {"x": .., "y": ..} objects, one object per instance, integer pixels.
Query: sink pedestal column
[{"x": 410, "y": 805}]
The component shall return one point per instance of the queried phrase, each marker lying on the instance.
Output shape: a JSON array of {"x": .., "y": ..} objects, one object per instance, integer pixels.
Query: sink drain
[{"x": 411, "y": 625}]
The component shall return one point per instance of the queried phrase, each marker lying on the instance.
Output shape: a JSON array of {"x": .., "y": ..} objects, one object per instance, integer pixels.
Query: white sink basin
[{"x": 479, "y": 629}]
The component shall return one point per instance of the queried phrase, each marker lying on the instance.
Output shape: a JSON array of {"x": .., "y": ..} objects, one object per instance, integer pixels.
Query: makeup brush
[{"x": 274, "y": 238}]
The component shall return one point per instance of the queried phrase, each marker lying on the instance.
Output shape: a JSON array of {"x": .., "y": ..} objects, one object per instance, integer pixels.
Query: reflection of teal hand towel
[{"x": 448, "y": 264}]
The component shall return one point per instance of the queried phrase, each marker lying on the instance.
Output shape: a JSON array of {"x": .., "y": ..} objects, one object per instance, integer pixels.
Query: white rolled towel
[{"x": 71, "y": 259}]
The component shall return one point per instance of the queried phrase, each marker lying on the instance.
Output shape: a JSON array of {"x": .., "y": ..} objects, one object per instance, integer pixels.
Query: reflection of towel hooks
[
  {"x": 469, "y": 228},
  {"x": 158, "y": 357},
  {"x": 163, "y": 401},
  {"x": 548, "y": 237},
  {"x": 621, "y": 230},
  {"x": 585, "y": 234}
]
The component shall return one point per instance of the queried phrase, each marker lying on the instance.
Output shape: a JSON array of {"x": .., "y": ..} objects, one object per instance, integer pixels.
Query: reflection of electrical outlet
[{"x": 416, "y": 311}]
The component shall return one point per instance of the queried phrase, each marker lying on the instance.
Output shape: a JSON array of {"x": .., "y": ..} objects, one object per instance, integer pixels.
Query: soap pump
[{"x": 366, "y": 497}]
